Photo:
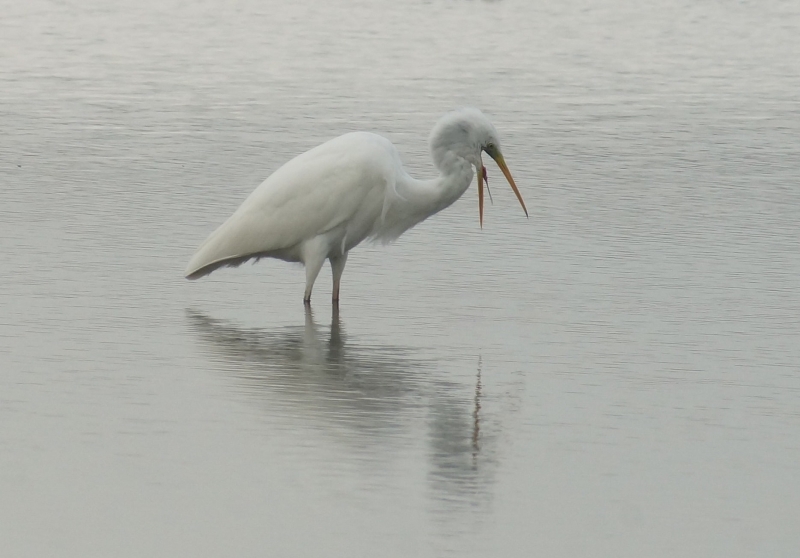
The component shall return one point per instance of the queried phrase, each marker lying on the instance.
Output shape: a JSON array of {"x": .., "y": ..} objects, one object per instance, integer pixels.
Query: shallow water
[{"x": 616, "y": 376}]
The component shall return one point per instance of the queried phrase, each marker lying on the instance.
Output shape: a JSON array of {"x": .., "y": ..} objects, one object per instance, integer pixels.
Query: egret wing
[{"x": 337, "y": 182}]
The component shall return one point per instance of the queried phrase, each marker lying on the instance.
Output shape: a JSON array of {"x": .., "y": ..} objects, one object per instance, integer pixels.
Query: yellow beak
[
  {"x": 480, "y": 193},
  {"x": 507, "y": 173}
]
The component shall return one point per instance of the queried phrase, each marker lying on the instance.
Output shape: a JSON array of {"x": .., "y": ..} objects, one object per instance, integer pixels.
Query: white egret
[{"x": 323, "y": 203}]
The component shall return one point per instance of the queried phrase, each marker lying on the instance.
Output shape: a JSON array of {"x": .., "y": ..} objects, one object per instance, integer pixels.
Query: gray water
[{"x": 618, "y": 375}]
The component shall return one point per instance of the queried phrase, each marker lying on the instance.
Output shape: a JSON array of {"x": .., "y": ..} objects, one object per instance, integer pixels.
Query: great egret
[{"x": 326, "y": 201}]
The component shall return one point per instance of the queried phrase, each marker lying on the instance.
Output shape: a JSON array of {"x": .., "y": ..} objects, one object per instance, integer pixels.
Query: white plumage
[{"x": 326, "y": 201}]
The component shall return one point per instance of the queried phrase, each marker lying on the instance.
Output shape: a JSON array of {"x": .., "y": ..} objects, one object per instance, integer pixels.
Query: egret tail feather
[{"x": 227, "y": 262}]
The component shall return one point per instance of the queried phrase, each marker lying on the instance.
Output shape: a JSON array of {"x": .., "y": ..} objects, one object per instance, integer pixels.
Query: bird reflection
[
  {"x": 463, "y": 456},
  {"x": 321, "y": 376},
  {"x": 476, "y": 430},
  {"x": 375, "y": 399}
]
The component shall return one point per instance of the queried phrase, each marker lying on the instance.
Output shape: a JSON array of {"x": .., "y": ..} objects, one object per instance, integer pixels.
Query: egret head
[{"x": 465, "y": 134}]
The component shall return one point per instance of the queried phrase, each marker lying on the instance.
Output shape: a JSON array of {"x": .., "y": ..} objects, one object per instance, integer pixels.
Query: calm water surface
[{"x": 617, "y": 376}]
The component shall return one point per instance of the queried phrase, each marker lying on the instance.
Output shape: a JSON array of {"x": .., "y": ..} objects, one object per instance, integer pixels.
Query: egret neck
[{"x": 432, "y": 196}]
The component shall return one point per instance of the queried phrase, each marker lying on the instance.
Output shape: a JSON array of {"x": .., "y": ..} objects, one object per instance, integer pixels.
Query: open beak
[
  {"x": 503, "y": 167},
  {"x": 481, "y": 172}
]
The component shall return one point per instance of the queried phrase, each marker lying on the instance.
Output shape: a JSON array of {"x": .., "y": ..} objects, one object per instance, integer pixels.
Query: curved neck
[
  {"x": 455, "y": 178},
  {"x": 416, "y": 200},
  {"x": 455, "y": 161},
  {"x": 431, "y": 196}
]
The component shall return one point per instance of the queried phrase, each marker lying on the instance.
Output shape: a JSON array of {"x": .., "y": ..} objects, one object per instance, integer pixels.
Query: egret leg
[{"x": 337, "y": 267}]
